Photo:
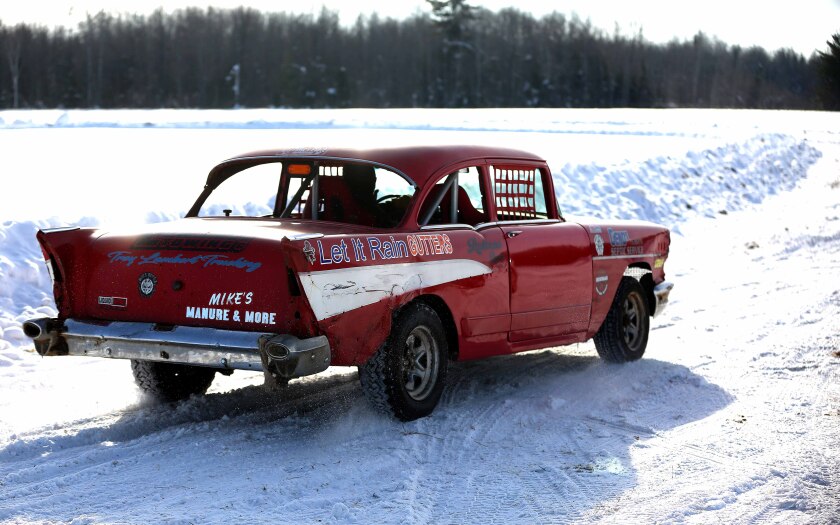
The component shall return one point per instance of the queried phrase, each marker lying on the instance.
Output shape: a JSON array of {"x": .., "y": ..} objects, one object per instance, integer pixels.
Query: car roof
[{"x": 417, "y": 162}]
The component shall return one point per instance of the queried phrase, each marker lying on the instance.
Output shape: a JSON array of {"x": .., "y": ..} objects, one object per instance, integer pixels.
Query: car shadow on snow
[{"x": 534, "y": 437}]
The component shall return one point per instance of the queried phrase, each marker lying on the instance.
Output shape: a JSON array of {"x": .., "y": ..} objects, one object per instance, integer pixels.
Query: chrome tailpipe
[
  {"x": 36, "y": 328},
  {"x": 44, "y": 333},
  {"x": 289, "y": 357}
]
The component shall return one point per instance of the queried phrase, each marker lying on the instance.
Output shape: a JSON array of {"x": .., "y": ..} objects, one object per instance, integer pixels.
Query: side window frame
[
  {"x": 552, "y": 213},
  {"x": 451, "y": 180}
]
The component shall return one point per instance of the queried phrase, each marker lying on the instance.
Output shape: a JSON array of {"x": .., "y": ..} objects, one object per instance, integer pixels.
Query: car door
[
  {"x": 457, "y": 204},
  {"x": 550, "y": 261}
]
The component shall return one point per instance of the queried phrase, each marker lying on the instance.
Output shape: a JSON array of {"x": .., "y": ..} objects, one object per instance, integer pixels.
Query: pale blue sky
[{"x": 804, "y": 25}]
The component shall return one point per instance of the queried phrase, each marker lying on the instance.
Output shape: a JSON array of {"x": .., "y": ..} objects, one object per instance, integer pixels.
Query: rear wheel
[
  {"x": 623, "y": 336},
  {"x": 405, "y": 377},
  {"x": 169, "y": 381}
]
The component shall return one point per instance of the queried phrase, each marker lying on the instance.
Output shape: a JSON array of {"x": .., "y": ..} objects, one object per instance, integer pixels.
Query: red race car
[{"x": 394, "y": 260}]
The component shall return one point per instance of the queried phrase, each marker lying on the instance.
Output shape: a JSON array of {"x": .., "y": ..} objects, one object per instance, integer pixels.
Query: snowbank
[{"x": 671, "y": 190}]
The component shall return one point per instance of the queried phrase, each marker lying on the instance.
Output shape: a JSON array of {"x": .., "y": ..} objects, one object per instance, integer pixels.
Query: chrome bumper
[
  {"x": 661, "y": 292},
  {"x": 285, "y": 355}
]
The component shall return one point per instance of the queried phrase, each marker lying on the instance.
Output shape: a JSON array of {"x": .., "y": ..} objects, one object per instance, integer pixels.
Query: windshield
[{"x": 348, "y": 192}]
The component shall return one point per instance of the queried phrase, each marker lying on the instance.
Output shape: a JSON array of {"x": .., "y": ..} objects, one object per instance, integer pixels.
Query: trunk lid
[{"x": 224, "y": 273}]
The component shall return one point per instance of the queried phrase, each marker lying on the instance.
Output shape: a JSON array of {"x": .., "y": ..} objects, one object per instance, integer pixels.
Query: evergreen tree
[
  {"x": 452, "y": 17},
  {"x": 829, "y": 68},
  {"x": 456, "y": 55}
]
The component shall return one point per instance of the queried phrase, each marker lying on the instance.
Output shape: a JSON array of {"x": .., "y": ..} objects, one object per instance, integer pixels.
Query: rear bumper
[
  {"x": 285, "y": 355},
  {"x": 661, "y": 292}
]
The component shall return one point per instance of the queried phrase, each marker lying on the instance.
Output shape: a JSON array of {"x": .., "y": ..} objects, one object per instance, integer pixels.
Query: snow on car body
[{"x": 394, "y": 260}]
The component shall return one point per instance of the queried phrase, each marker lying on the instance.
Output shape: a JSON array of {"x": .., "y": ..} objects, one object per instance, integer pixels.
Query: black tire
[
  {"x": 405, "y": 377},
  {"x": 623, "y": 336},
  {"x": 171, "y": 382}
]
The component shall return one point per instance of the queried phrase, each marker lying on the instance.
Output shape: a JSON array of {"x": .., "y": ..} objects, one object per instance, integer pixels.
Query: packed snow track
[{"x": 730, "y": 417}]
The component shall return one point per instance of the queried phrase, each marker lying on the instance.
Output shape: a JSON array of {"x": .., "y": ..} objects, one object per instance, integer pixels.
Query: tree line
[{"x": 454, "y": 56}]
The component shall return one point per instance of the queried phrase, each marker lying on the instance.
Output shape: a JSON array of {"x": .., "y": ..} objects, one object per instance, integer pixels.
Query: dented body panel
[{"x": 507, "y": 273}]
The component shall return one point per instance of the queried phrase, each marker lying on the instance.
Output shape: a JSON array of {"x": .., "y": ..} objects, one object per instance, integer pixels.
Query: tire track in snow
[
  {"x": 72, "y": 452},
  {"x": 542, "y": 487},
  {"x": 471, "y": 425},
  {"x": 250, "y": 403},
  {"x": 500, "y": 411}
]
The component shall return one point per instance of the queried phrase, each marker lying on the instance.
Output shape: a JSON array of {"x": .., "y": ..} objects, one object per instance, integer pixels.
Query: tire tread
[
  {"x": 171, "y": 382},
  {"x": 379, "y": 376},
  {"x": 608, "y": 339}
]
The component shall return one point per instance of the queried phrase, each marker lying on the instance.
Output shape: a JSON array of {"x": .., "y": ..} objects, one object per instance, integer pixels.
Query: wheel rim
[
  {"x": 632, "y": 321},
  {"x": 420, "y": 363}
]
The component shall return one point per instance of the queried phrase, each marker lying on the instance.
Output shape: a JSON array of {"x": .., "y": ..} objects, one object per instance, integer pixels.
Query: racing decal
[
  {"x": 332, "y": 292},
  {"x": 618, "y": 238},
  {"x": 309, "y": 252},
  {"x": 621, "y": 244},
  {"x": 231, "y": 298},
  {"x": 190, "y": 244},
  {"x": 336, "y": 253},
  {"x": 479, "y": 247},
  {"x": 628, "y": 250},
  {"x": 602, "y": 283},
  {"x": 599, "y": 245},
  {"x": 429, "y": 244},
  {"x": 212, "y": 311},
  {"x": 205, "y": 261},
  {"x": 379, "y": 249},
  {"x": 227, "y": 314},
  {"x": 113, "y": 302},
  {"x": 146, "y": 284}
]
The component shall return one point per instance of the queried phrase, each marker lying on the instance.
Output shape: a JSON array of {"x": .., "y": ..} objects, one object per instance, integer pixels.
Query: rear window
[
  {"x": 348, "y": 192},
  {"x": 249, "y": 193},
  {"x": 353, "y": 193}
]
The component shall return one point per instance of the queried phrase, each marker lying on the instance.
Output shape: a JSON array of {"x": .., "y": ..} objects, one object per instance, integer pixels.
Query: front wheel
[
  {"x": 405, "y": 377},
  {"x": 623, "y": 336},
  {"x": 169, "y": 381}
]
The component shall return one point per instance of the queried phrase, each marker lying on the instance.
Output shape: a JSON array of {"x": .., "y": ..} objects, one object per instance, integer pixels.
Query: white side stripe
[{"x": 332, "y": 292}]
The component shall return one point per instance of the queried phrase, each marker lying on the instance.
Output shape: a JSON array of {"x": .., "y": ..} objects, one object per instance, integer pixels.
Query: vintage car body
[{"x": 492, "y": 267}]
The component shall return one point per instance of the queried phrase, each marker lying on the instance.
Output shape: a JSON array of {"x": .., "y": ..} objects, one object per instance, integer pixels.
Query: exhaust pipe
[
  {"x": 44, "y": 332},
  {"x": 275, "y": 353},
  {"x": 37, "y": 329},
  {"x": 276, "y": 350},
  {"x": 286, "y": 356}
]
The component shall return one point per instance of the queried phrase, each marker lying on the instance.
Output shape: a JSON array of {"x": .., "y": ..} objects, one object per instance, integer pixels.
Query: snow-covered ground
[{"x": 731, "y": 417}]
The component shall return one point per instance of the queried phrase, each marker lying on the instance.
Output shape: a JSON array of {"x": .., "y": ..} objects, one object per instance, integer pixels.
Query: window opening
[
  {"x": 519, "y": 194},
  {"x": 249, "y": 193},
  {"x": 457, "y": 199},
  {"x": 354, "y": 193}
]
